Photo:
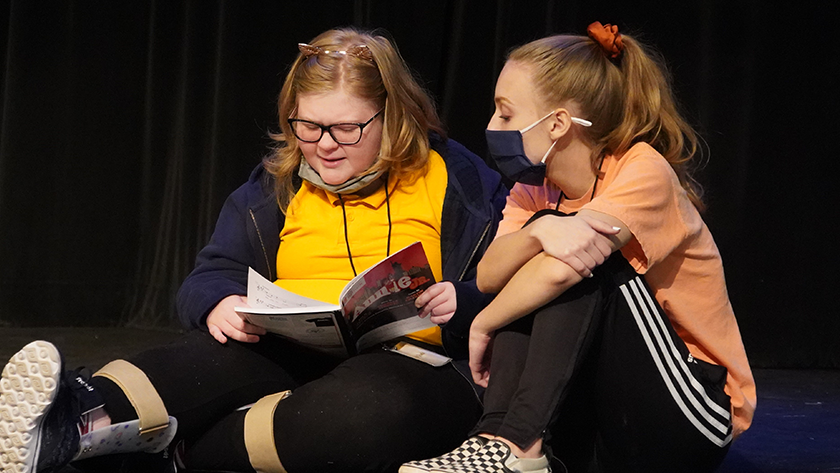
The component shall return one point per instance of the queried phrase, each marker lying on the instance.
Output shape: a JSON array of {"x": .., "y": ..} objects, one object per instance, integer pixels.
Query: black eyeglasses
[{"x": 342, "y": 133}]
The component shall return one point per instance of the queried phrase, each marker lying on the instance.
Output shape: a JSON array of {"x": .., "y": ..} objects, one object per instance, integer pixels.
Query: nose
[{"x": 327, "y": 141}]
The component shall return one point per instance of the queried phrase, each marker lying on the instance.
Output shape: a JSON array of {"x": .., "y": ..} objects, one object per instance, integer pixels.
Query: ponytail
[{"x": 650, "y": 115}]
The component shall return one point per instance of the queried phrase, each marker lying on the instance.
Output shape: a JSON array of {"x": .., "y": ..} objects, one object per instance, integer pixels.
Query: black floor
[{"x": 796, "y": 427}]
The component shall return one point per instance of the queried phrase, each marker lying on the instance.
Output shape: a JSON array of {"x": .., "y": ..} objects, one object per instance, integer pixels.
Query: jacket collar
[{"x": 466, "y": 179}]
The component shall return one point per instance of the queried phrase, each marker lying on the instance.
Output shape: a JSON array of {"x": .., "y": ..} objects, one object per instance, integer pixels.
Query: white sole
[{"x": 28, "y": 387}]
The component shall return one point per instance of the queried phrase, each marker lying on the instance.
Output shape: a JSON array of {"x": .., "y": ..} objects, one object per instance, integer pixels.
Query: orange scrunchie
[{"x": 608, "y": 37}]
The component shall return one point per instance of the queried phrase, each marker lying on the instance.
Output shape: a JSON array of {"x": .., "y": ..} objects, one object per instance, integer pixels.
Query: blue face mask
[{"x": 508, "y": 151}]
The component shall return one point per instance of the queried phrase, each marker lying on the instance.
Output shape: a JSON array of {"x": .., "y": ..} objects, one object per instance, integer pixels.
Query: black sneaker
[
  {"x": 469, "y": 447},
  {"x": 40, "y": 408}
]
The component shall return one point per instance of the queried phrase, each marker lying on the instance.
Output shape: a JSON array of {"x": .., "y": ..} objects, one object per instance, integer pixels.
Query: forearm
[
  {"x": 547, "y": 231},
  {"x": 538, "y": 282},
  {"x": 505, "y": 256}
]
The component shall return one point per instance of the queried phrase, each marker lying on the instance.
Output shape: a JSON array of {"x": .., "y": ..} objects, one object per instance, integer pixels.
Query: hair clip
[
  {"x": 608, "y": 37},
  {"x": 360, "y": 51},
  {"x": 308, "y": 50}
]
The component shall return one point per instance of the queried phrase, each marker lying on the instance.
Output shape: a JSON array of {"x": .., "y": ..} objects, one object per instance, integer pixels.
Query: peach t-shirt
[{"x": 672, "y": 247}]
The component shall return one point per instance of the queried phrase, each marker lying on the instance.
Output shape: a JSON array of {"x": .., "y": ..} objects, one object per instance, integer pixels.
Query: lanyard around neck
[{"x": 347, "y": 240}]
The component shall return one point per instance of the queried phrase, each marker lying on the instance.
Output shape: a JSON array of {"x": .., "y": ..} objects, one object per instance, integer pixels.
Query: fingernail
[
  {"x": 618, "y": 229},
  {"x": 590, "y": 275}
]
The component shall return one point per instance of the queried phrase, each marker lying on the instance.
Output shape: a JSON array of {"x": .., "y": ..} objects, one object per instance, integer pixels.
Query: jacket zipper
[
  {"x": 475, "y": 250},
  {"x": 461, "y": 278},
  {"x": 262, "y": 244}
]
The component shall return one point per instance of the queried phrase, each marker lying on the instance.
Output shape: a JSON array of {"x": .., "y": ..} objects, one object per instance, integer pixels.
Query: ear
[{"x": 561, "y": 122}]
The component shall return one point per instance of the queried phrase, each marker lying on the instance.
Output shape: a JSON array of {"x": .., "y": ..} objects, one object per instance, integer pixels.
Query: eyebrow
[
  {"x": 504, "y": 105},
  {"x": 344, "y": 122}
]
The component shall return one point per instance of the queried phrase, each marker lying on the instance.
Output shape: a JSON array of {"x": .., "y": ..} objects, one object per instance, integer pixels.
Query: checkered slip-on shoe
[
  {"x": 496, "y": 457},
  {"x": 469, "y": 447}
]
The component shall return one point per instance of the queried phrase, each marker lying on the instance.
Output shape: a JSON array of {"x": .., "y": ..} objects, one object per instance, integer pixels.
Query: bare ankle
[{"x": 532, "y": 451}]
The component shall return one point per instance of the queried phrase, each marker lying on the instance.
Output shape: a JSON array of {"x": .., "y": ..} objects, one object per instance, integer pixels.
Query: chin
[{"x": 335, "y": 179}]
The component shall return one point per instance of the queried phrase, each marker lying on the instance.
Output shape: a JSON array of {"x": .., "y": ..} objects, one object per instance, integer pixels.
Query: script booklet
[{"x": 374, "y": 307}]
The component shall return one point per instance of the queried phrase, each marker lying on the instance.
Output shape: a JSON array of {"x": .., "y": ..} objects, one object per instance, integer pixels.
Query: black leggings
[
  {"x": 601, "y": 375},
  {"x": 371, "y": 412}
]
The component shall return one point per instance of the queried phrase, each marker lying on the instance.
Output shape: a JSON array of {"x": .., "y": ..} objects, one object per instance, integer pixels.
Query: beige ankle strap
[
  {"x": 259, "y": 434},
  {"x": 140, "y": 392}
]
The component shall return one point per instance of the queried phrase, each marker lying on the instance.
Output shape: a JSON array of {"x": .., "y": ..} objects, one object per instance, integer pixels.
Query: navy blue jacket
[{"x": 247, "y": 234}]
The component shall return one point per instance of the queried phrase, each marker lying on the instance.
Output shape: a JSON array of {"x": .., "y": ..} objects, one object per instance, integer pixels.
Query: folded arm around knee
[{"x": 582, "y": 241}]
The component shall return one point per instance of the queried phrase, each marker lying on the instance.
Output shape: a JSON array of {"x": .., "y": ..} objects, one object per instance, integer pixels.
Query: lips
[{"x": 331, "y": 162}]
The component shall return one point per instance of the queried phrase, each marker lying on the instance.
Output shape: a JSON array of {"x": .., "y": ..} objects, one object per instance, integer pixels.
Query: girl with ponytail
[{"x": 612, "y": 343}]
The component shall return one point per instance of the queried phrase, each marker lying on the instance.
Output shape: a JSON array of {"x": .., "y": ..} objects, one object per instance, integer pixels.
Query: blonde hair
[
  {"x": 385, "y": 80},
  {"x": 628, "y": 99}
]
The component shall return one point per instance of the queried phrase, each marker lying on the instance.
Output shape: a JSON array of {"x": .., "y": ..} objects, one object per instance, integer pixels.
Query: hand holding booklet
[{"x": 374, "y": 307}]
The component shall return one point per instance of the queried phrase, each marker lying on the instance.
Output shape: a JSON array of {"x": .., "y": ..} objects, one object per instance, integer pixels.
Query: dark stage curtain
[{"x": 124, "y": 125}]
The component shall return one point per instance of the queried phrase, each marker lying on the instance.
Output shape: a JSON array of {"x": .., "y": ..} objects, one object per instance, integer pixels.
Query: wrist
[
  {"x": 534, "y": 236},
  {"x": 480, "y": 326}
]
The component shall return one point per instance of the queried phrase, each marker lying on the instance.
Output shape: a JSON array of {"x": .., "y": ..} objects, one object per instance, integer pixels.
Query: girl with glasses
[
  {"x": 361, "y": 169},
  {"x": 612, "y": 338}
]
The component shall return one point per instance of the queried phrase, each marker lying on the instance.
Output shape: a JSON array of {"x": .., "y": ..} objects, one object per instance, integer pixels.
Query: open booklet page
[
  {"x": 376, "y": 306},
  {"x": 309, "y": 322}
]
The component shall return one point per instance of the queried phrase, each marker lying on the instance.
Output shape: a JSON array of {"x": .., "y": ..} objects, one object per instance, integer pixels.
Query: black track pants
[{"x": 601, "y": 373}]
